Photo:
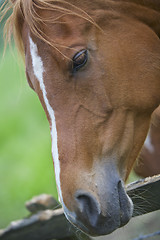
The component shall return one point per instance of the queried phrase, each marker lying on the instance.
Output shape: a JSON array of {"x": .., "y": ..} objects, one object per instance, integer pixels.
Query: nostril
[
  {"x": 84, "y": 203},
  {"x": 88, "y": 206}
]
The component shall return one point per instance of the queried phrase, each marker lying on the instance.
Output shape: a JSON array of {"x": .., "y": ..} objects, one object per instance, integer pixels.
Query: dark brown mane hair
[{"x": 27, "y": 10}]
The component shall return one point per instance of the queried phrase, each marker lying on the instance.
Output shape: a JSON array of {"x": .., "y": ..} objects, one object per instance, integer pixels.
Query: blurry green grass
[{"x": 26, "y": 167}]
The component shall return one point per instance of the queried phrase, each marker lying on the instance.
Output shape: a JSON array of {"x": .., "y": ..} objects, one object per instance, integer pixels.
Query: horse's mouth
[{"x": 103, "y": 228}]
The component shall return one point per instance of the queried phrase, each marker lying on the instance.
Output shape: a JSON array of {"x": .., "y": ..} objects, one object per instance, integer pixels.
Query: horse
[
  {"x": 95, "y": 66},
  {"x": 148, "y": 163}
]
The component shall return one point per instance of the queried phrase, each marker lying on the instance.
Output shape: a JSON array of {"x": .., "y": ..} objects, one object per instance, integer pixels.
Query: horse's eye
[{"x": 79, "y": 60}]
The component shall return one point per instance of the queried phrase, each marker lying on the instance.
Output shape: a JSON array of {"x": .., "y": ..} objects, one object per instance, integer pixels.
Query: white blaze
[
  {"x": 38, "y": 70},
  {"x": 148, "y": 144}
]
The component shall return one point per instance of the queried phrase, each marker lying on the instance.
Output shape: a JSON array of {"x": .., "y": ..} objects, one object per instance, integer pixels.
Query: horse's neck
[
  {"x": 154, "y": 4},
  {"x": 147, "y": 11}
]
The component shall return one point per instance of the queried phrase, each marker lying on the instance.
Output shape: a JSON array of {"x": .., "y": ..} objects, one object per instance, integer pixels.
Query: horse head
[{"x": 95, "y": 66}]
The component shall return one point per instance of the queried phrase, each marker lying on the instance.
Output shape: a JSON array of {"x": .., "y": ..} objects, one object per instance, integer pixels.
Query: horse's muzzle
[{"x": 101, "y": 214}]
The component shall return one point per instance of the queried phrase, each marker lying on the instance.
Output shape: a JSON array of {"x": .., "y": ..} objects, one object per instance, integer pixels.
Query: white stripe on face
[{"x": 38, "y": 70}]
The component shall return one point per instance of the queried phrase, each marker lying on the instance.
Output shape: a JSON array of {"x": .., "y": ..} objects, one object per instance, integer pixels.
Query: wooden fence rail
[{"x": 48, "y": 223}]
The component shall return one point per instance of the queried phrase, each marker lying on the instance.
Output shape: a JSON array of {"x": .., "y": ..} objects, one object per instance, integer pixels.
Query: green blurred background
[{"x": 26, "y": 167}]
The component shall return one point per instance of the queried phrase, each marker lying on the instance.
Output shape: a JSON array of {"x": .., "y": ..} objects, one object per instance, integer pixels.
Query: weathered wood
[
  {"x": 52, "y": 224},
  {"x": 145, "y": 195},
  {"x": 45, "y": 225},
  {"x": 42, "y": 202}
]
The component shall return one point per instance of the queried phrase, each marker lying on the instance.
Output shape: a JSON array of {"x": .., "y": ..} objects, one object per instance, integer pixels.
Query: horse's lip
[
  {"x": 92, "y": 231},
  {"x": 76, "y": 223}
]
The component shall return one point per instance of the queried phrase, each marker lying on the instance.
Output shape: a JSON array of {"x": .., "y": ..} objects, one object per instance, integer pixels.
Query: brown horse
[{"x": 95, "y": 66}]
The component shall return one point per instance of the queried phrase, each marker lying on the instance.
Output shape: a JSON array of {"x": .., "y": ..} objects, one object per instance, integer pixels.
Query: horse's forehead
[{"x": 64, "y": 25}]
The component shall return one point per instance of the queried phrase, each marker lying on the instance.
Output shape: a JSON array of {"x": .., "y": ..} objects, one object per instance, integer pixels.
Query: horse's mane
[{"x": 27, "y": 10}]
